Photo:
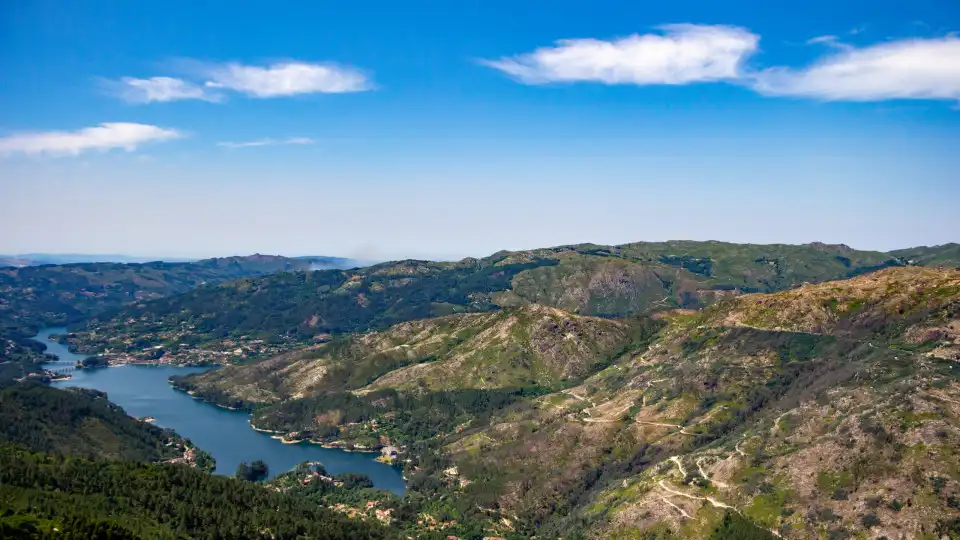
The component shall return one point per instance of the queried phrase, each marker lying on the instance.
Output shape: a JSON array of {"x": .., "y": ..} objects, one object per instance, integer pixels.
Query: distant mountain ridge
[
  {"x": 38, "y": 259},
  {"x": 32, "y": 297},
  {"x": 586, "y": 279}
]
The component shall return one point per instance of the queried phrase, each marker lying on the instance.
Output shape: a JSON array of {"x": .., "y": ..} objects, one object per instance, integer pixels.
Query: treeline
[
  {"x": 81, "y": 422},
  {"x": 19, "y": 355},
  {"x": 403, "y": 416},
  {"x": 301, "y": 305},
  {"x": 136, "y": 500}
]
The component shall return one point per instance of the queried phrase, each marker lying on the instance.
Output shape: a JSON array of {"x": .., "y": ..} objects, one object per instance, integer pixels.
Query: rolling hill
[
  {"x": 827, "y": 410},
  {"x": 292, "y": 309},
  {"x": 32, "y": 297}
]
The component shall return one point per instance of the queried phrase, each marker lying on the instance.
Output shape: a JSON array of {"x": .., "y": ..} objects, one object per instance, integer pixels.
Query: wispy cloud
[
  {"x": 288, "y": 79},
  {"x": 106, "y": 136},
  {"x": 266, "y": 142},
  {"x": 214, "y": 81},
  {"x": 829, "y": 41},
  {"x": 679, "y": 54},
  {"x": 159, "y": 89},
  {"x": 906, "y": 69}
]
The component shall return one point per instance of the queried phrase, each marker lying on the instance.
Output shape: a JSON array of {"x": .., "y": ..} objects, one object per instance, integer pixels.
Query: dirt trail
[
  {"x": 581, "y": 398},
  {"x": 711, "y": 500},
  {"x": 739, "y": 451},
  {"x": 677, "y": 508},
  {"x": 676, "y": 459},
  {"x": 682, "y": 429},
  {"x": 703, "y": 473},
  {"x": 943, "y": 398},
  {"x": 614, "y": 418}
]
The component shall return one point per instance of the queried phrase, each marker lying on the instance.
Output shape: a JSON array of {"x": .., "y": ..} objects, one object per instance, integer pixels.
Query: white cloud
[
  {"x": 907, "y": 69},
  {"x": 287, "y": 79},
  {"x": 266, "y": 142},
  {"x": 680, "y": 54},
  {"x": 104, "y": 137},
  {"x": 160, "y": 89}
]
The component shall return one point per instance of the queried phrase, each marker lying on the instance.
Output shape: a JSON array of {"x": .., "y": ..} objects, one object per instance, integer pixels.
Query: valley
[{"x": 678, "y": 390}]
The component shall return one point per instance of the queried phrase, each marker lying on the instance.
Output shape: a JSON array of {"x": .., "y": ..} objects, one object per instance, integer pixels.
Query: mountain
[
  {"x": 36, "y": 259},
  {"x": 84, "y": 423},
  {"x": 58, "y": 294},
  {"x": 827, "y": 410},
  {"x": 323, "y": 262},
  {"x": 532, "y": 345},
  {"x": 292, "y": 309},
  {"x": 36, "y": 296},
  {"x": 944, "y": 255}
]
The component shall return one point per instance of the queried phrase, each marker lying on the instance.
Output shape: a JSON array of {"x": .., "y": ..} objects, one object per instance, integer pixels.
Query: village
[{"x": 176, "y": 347}]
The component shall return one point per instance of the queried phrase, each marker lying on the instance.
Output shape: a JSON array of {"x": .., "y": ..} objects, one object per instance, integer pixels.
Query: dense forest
[
  {"x": 82, "y": 422},
  {"x": 124, "y": 499},
  {"x": 404, "y": 417}
]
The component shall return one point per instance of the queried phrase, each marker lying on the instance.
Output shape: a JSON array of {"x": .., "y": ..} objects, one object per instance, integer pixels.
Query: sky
[{"x": 428, "y": 129}]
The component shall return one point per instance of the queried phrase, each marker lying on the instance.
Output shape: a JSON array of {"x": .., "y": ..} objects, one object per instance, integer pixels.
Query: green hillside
[
  {"x": 532, "y": 345},
  {"x": 82, "y": 422},
  {"x": 816, "y": 430},
  {"x": 947, "y": 255},
  {"x": 827, "y": 410},
  {"x": 51, "y": 496},
  {"x": 291, "y": 309},
  {"x": 48, "y": 295}
]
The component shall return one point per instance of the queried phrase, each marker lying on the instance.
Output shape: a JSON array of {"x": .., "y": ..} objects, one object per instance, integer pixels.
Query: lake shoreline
[
  {"x": 229, "y": 436},
  {"x": 277, "y": 435}
]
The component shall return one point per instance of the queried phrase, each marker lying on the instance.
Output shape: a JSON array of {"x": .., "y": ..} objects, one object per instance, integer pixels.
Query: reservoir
[{"x": 144, "y": 391}]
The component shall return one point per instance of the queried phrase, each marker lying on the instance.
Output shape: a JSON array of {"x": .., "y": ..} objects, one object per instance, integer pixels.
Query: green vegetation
[
  {"x": 947, "y": 255},
  {"x": 531, "y": 345},
  {"x": 292, "y": 309},
  {"x": 402, "y": 417},
  {"x": 136, "y": 500},
  {"x": 253, "y": 472},
  {"x": 787, "y": 411},
  {"x": 50, "y": 295},
  {"x": 736, "y": 527},
  {"x": 84, "y": 423}
]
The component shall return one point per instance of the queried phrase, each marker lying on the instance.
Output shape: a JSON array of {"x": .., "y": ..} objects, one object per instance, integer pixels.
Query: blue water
[{"x": 144, "y": 391}]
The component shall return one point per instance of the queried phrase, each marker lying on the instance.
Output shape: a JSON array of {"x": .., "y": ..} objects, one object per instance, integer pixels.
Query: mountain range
[{"x": 647, "y": 390}]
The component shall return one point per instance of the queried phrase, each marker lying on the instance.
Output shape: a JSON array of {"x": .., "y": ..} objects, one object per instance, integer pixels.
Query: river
[{"x": 227, "y": 435}]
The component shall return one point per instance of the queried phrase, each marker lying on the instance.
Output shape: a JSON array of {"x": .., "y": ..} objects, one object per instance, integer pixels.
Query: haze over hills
[{"x": 37, "y": 259}]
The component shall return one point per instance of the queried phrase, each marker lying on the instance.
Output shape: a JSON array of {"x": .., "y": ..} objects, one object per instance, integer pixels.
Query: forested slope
[{"x": 292, "y": 309}]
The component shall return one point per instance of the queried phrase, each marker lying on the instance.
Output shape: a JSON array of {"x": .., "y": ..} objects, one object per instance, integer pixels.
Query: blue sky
[{"x": 445, "y": 129}]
